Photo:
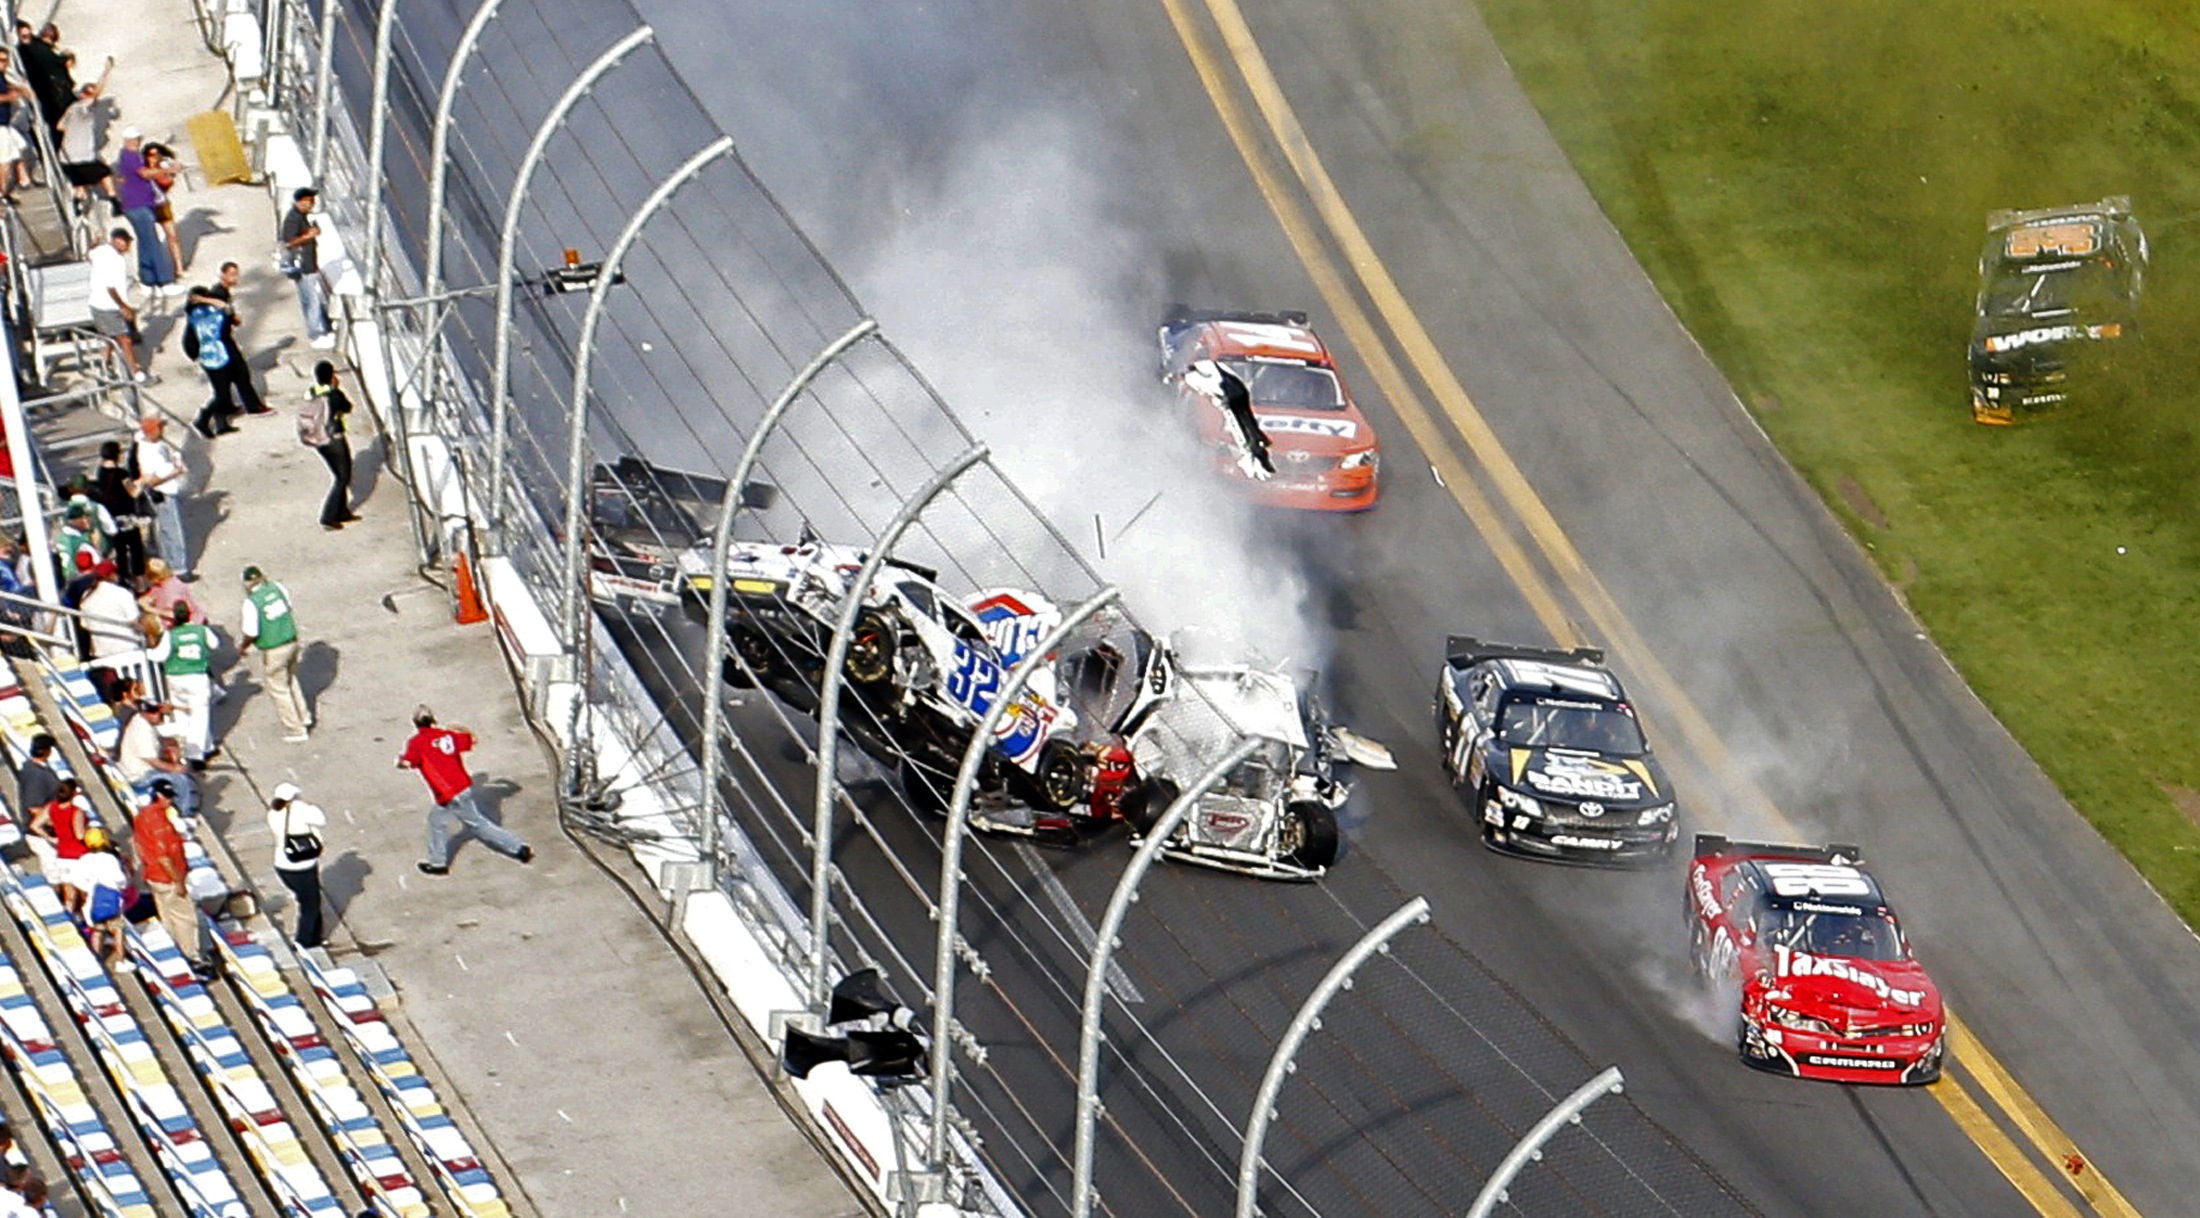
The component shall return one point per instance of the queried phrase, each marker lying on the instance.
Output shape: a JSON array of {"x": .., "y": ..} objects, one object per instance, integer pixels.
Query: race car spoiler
[
  {"x": 1716, "y": 845},
  {"x": 1179, "y": 315},
  {"x": 1460, "y": 649}
]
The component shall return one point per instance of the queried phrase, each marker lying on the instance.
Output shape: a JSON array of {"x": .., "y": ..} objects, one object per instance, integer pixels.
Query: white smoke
[{"x": 1031, "y": 303}]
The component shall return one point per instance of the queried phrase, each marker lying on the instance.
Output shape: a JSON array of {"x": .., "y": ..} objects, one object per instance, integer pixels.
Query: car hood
[
  {"x": 1844, "y": 989},
  {"x": 1572, "y": 775},
  {"x": 1327, "y": 432}
]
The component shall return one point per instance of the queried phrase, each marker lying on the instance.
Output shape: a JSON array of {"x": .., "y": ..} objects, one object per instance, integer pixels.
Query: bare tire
[
  {"x": 871, "y": 644},
  {"x": 1060, "y": 777},
  {"x": 1308, "y": 835},
  {"x": 1143, "y": 804}
]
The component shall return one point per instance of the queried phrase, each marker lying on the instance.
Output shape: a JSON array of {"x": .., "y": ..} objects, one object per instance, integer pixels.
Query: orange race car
[{"x": 1269, "y": 402}]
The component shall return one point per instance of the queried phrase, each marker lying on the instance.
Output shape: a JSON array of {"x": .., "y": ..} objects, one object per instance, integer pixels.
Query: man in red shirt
[
  {"x": 161, "y": 860},
  {"x": 438, "y": 753}
]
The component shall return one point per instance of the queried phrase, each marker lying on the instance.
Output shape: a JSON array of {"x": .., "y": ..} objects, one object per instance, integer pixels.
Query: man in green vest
[
  {"x": 186, "y": 655},
  {"x": 79, "y": 531},
  {"x": 271, "y": 628}
]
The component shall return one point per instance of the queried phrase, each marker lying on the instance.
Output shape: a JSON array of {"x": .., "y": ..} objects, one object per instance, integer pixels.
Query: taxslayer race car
[
  {"x": 1547, "y": 748},
  {"x": 1274, "y": 815},
  {"x": 921, "y": 666},
  {"x": 1267, "y": 399},
  {"x": 2052, "y": 281},
  {"x": 1828, "y": 987}
]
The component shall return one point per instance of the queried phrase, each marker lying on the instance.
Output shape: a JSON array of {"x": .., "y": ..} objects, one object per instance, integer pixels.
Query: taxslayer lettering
[{"x": 1792, "y": 963}]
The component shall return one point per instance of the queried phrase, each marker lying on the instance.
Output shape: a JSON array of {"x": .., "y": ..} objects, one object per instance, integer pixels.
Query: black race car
[
  {"x": 1548, "y": 749},
  {"x": 2051, "y": 281}
]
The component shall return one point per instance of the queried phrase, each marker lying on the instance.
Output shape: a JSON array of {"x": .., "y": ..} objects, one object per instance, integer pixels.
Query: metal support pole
[
  {"x": 378, "y": 130},
  {"x": 500, "y": 387},
  {"x": 27, "y": 505},
  {"x": 828, "y": 711},
  {"x": 714, "y": 649},
  {"x": 1104, "y": 943},
  {"x": 439, "y": 147},
  {"x": 576, "y": 453},
  {"x": 958, "y": 816},
  {"x": 271, "y": 50},
  {"x": 324, "y": 79},
  {"x": 1308, "y": 1019},
  {"x": 1530, "y": 1148}
]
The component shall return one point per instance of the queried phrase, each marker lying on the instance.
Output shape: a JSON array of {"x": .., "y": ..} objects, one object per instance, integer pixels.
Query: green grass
[{"x": 1808, "y": 184}]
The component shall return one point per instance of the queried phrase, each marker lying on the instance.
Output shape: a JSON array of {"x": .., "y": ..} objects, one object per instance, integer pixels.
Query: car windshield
[
  {"x": 1821, "y": 932},
  {"x": 2054, "y": 290},
  {"x": 1537, "y": 723},
  {"x": 1289, "y": 384}
]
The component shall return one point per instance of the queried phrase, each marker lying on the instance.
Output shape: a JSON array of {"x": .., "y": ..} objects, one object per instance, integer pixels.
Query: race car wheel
[
  {"x": 1308, "y": 835},
  {"x": 1061, "y": 776},
  {"x": 753, "y": 648},
  {"x": 1143, "y": 804},
  {"x": 870, "y": 649}
]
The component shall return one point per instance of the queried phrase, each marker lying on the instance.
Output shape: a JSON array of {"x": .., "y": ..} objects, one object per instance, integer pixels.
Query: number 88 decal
[{"x": 1816, "y": 879}]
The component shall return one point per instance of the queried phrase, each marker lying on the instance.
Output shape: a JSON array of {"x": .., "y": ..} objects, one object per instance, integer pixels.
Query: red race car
[
  {"x": 1828, "y": 987},
  {"x": 1268, "y": 401}
]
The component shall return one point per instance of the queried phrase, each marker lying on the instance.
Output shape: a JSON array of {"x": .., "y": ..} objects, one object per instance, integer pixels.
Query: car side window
[{"x": 1485, "y": 691}]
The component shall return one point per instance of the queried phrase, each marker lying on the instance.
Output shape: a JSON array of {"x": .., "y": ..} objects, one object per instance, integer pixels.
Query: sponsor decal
[
  {"x": 2049, "y": 334},
  {"x": 2069, "y": 239},
  {"x": 1815, "y": 907},
  {"x": 1580, "y": 777},
  {"x": 1013, "y": 624},
  {"x": 1299, "y": 424},
  {"x": 1231, "y": 823},
  {"x": 1791, "y": 963},
  {"x": 1591, "y": 809},
  {"x": 1699, "y": 883},
  {"x": 1586, "y": 843}
]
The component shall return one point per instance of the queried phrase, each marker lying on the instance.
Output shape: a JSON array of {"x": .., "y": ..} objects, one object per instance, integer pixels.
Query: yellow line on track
[{"x": 1550, "y": 539}]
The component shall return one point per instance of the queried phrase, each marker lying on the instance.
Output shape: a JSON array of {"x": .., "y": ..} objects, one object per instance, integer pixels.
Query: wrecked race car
[{"x": 2054, "y": 282}]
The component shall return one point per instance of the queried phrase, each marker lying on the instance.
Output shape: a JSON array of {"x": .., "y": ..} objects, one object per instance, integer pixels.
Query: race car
[
  {"x": 1828, "y": 987},
  {"x": 1274, "y": 815},
  {"x": 642, "y": 518},
  {"x": 1548, "y": 750},
  {"x": 921, "y": 667},
  {"x": 2051, "y": 281},
  {"x": 1269, "y": 403}
]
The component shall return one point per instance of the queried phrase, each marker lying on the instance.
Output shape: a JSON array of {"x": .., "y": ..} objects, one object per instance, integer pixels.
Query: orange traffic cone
[{"x": 470, "y": 609}]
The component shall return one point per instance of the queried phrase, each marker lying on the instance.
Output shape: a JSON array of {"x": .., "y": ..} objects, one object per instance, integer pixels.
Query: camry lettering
[
  {"x": 1586, "y": 843},
  {"x": 1791, "y": 963}
]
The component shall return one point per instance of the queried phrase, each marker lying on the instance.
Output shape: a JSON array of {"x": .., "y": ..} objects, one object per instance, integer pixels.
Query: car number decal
[{"x": 2067, "y": 240}]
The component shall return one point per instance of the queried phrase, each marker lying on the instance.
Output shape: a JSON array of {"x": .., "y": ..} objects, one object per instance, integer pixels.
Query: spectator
[
  {"x": 161, "y": 477},
  {"x": 110, "y": 617},
  {"x": 186, "y": 654},
  {"x": 162, "y": 862},
  {"x": 296, "y": 825},
  {"x": 438, "y": 754},
  {"x": 59, "y": 825},
  {"x": 139, "y": 196},
  {"x": 112, "y": 314},
  {"x": 47, "y": 76},
  {"x": 271, "y": 628},
  {"x": 72, "y": 595},
  {"x": 79, "y": 144},
  {"x": 111, "y": 490},
  {"x": 300, "y": 236},
  {"x": 224, "y": 289},
  {"x": 106, "y": 886},
  {"x": 15, "y": 97},
  {"x": 148, "y": 753},
  {"x": 321, "y": 425},
  {"x": 162, "y": 170},
  {"x": 35, "y": 782},
  {"x": 207, "y": 340},
  {"x": 163, "y": 592},
  {"x": 79, "y": 534}
]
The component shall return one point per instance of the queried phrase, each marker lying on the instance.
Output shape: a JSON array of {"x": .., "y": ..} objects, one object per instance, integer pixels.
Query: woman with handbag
[{"x": 296, "y": 825}]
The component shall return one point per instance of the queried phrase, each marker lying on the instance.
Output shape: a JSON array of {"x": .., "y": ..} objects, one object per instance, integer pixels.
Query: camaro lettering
[
  {"x": 1851, "y": 1063},
  {"x": 1791, "y": 963}
]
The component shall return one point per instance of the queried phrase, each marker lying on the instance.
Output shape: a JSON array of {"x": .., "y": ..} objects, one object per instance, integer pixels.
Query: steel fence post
[
  {"x": 271, "y": 50},
  {"x": 1308, "y": 1019},
  {"x": 828, "y": 708},
  {"x": 439, "y": 147},
  {"x": 576, "y": 455},
  {"x": 1530, "y": 1147},
  {"x": 324, "y": 77},
  {"x": 958, "y": 816},
  {"x": 500, "y": 388},
  {"x": 1104, "y": 943},
  {"x": 378, "y": 129},
  {"x": 714, "y": 649}
]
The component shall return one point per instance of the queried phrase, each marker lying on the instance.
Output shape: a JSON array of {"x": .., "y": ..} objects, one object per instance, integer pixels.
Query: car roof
[
  {"x": 1798, "y": 893},
  {"x": 1562, "y": 680},
  {"x": 1231, "y": 339}
]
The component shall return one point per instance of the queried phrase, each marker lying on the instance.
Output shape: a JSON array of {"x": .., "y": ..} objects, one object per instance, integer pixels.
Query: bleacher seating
[{"x": 85, "y": 1143}]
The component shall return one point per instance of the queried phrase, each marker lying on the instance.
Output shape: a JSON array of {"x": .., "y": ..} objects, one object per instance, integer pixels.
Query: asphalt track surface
[{"x": 1806, "y": 668}]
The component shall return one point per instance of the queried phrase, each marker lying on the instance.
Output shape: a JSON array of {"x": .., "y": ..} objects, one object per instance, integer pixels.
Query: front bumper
[
  {"x": 1328, "y": 490},
  {"x": 1572, "y": 840},
  {"x": 1899, "y": 1061}
]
